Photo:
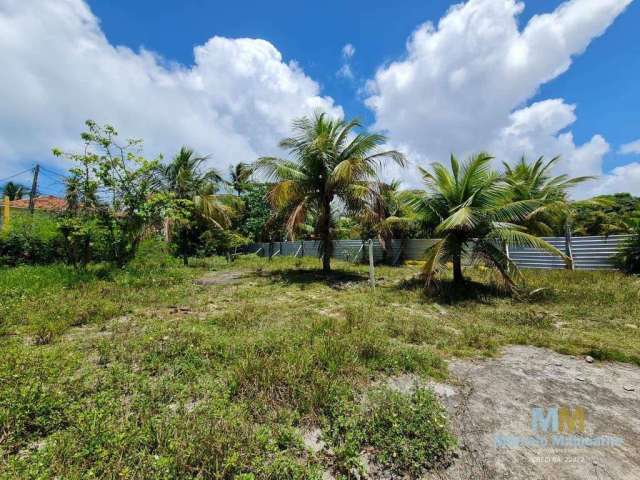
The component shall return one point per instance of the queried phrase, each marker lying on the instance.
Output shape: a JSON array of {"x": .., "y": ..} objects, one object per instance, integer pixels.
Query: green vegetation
[
  {"x": 33, "y": 239},
  {"x": 140, "y": 373},
  {"x": 44, "y": 301},
  {"x": 407, "y": 434},
  {"x": 629, "y": 258},
  {"x": 476, "y": 214},
  {"x": 121, "y": 361},
  {"x": 606, "y": 215},
  {"x": 532, "y": 181},
  {"x": 197, "y": 211},
  {"x": 331, "y": 162},
  {"x": 328, "y": 190},
  {"x": 388, "y": 215},
  {"x": 112, "y": 195},
  {"x": 14, "y": 191}
]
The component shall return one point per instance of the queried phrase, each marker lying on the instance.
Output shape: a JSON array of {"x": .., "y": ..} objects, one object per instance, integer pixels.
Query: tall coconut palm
[
  {"x": 185, "y": 177},
  {"x": 14, "y": 191},
  {"x": 329, "y": 161},
  {"x": 476, "y": 216},
  {"x": 532, "y": 181},
  {"x": 240, "y": 174}
]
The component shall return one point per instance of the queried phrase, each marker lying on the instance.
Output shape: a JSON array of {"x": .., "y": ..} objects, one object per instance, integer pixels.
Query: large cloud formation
[
  {"x": 463, "y": 85},
  {"x": 235, "y": 102}
]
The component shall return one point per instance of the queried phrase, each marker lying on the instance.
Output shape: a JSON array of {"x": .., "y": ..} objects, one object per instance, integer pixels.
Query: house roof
[{"x": 45, "y": 202}]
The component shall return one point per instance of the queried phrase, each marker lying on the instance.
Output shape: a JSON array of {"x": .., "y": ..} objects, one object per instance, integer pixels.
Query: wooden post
[
  {"x": 6, "y": 220},
  {"x": 372, "y": 278}
]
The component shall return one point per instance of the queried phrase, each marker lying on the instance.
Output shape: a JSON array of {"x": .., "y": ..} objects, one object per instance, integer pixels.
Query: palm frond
[
  {"x": 463, "y": 218},
  {"x": 433, "y": 260}
]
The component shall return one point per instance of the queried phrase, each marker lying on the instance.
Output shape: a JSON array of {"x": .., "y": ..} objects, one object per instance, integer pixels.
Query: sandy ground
[
  {"x": 490, "y": 398},
  {"x": 221, "y": 278}
]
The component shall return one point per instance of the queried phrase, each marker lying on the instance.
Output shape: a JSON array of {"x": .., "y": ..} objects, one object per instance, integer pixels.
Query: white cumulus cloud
[
  {"x": 630, "y": 148},
  {"x": 235, "y": 102},
  {"x": 464, "y": 83},
  {"x": 625, "y": 178}
]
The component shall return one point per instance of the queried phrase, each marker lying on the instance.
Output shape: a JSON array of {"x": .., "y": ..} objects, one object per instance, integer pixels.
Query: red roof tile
[{"x": 45, "y": 202}]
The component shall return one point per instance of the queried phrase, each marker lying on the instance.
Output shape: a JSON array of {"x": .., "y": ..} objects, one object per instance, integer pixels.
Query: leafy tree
[
  {"x": 117, "y": 185},
  {"x": 606, "y": 214},
  {"x": 330, "y": 162},
  {"x": 347, "y": 228},
  {"x": 15, "y": 191},
  {"x": 476, "y": 216},
  {"x": 532, "y": 181},
  {"x": 257, "y": 220}
]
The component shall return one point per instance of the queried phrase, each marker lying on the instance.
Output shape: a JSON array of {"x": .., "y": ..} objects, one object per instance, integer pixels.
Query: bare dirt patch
[
  {"x": 494, "y": 397},
  {"x": 221, "y": 278}
]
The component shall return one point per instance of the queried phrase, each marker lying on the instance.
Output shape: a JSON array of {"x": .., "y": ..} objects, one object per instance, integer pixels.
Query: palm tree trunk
[
  {"x": 326, "y": 262},
  {"x": 458, "y": 278},
  {"x": 325, "y": 234}
]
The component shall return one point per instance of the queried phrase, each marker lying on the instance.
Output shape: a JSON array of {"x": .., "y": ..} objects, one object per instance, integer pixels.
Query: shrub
[
  {"x": 628, "y": 259},
  {"x": 80, "y": 239},
  {"x": 406, "y": 434},
  {"x": 33, "y": 239}
]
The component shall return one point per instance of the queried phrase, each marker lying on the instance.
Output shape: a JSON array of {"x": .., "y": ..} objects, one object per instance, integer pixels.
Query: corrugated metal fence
[{"x": 589, "y": 253}]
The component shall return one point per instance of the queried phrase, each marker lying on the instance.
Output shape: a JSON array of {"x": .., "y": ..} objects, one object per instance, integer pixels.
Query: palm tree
[
  {"x": 388, "y": 213},
  {"x": 475, "y": 216},
  {"x": 15, "y": 191},
  {"x": 185, "y": 178},
  {"x": 531, "y": 181},
  {"x": 330, "y": 161},
  {"x": 240, "y": 174},
  {"x": 81, "y": 192}
]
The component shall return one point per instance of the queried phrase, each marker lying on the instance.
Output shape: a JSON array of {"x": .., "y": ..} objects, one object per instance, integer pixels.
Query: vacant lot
[{"x": 229, "y": 371}]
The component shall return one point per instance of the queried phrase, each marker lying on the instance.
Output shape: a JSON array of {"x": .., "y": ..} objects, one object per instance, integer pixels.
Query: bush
[
  {"x": 33, "y": 239},
  {"x": 628, "y": 260}
]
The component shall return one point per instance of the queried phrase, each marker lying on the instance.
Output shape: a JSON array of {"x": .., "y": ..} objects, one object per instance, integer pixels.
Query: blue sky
[
  {"x": 584, "y": 83},
  {"x": 603, "y": 81}
]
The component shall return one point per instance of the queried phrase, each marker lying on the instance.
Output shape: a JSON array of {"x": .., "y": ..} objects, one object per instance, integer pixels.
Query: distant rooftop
[{"x": 45, "y": 202}]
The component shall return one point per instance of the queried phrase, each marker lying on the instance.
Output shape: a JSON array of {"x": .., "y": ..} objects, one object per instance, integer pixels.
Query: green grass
[
  {"x": 140, "y": 373},
  {"x": 39, "y": 224}
]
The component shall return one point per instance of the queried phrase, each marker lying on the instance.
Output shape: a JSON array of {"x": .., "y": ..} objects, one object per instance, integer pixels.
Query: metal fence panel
[
  {"x": 593, "y": 253},
  {"x": 589, "y": 253},
  {"x": 525, "y": 257}
]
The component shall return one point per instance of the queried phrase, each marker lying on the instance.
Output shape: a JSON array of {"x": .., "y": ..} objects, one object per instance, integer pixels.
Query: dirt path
[
  {"x": 232, "y": 277},
  {"x": 494, "y": 401}
]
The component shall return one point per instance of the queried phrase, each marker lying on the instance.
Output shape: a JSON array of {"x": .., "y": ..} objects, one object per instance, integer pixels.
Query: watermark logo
[
  {"x": 557, "y": 427},
  {"x": 558, "y": 420}
]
